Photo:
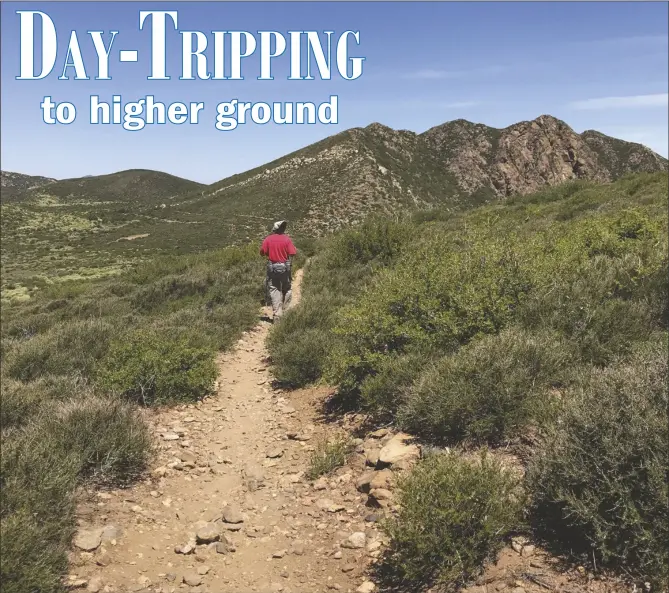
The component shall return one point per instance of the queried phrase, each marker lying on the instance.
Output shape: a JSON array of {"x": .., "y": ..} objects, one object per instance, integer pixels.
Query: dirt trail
[
  {"x": 241, "y": 454},
  {"x": 231, "y": 470}
]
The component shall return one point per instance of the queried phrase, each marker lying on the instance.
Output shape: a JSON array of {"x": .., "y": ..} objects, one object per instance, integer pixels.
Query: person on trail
[{"x": 279, "y": 250}]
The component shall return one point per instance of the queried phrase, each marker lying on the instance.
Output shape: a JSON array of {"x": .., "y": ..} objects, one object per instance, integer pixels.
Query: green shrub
[
  {"x": 457, "y": 292},
  {"x": 490, "y": 390},
  {"x": 214, "y": 328},
  {"x": 454, "y": 514},
  {"x": 34, "y": 551},
  {"x": 328, "y": 456},
  {"x": 599, "y": 484},
  {"x": 377, "y": 240},
  {"x": 67, "y": 348},
  {"x": 152, "y": 368},
  {"x": 108, "y": 435},
  {"x": 585, "y": 278},
  {"x": 299, "y": 345},
  {"x": 92, "y": 437},
  {"x": 383, "y": 393},
  {"x": 42, "y": 463},
  {"x": 603, "y": 304},
  {"x": 17, "y": 403},
  {"x": 21, "y": 401}
]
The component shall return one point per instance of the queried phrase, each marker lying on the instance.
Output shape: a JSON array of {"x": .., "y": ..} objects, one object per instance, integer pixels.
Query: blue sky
[{"x": 595, "y": 65}]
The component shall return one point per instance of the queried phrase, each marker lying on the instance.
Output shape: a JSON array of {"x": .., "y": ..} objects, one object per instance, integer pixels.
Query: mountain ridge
[
  {"x": 325, "y": 186},
  {"x": 343, "y": 178}
]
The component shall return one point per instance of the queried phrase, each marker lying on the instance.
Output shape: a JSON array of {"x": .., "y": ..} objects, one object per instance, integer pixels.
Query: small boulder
[
  {"x": 254, "y": 476},
  {"x": 221, "y": 548},
  {"x": 207, "y": 533},
  {"x": 110, "y": 533},
  {"x": 372, "y": 457},
  {"x": 232, "y": 514},
  {"x": 160, "y": 472},
  {"x": 188, "y": 548},
  {"x": 274, "y": 453},
  {"x": 320, "y": 484},
  {"x": 355, "y": 541},
  {"x": 517, "y": 543},
  {"x": 396, "y": 450},
  {"x": 381, "y": 479},
  {"x": 380, "y": 494},
  {"x": 88, "y": 539},
  {"x": 324, "y": 503},
  {"x": 192, "y": 579},
  {"x": 297, "y": 548},
  {"x": 366, "y": 587},
  {"x": 187, "y": 456},
  {"x": 379, "y": 434},
  {"x": 364, "y": 481},
  {"x": 103, "y": 559}
]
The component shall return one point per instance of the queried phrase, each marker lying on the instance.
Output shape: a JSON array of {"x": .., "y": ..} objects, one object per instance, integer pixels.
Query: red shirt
[{"x": 277, "y": 248}]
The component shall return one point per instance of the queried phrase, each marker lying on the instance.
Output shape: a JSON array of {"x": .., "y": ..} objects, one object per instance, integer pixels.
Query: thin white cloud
[
  {"x": 629, "y": 102},
  {"x": 415, "y": 103},
  {"x": 636, "y": 41},
  {"x": 429, "y": 74},
  {"x": 435, "y": 74}
]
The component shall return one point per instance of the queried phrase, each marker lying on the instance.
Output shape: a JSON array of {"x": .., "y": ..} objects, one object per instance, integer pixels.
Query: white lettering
[
  {"x": 27, "y": 36},
  {"x": 103, "y": 53},
  {"x": 158, "y": 32}
]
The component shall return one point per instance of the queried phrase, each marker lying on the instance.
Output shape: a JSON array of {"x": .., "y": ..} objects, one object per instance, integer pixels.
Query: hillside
[
  {"x": 139, "y": 186},
  {"x": 70, "y": 228},
  {"x": 533, "y": 329},
  {"x": 94, "y": 225},
  {"x": 13, "y": 184},
  {"x": 342, "y": 179}
]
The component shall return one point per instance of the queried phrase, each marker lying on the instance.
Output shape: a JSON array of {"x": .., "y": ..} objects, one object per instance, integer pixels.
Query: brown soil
[{"x": 239, "y": 449}]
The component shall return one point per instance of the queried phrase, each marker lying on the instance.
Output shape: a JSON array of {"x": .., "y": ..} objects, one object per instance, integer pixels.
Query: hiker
[{"x": 279, "y": 249}]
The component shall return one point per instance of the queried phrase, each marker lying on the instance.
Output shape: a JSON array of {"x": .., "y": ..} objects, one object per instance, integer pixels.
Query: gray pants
[{"x": 279, "y": 287}]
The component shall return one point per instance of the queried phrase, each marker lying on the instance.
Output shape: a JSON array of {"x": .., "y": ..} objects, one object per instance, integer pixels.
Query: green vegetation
[
  {"x": 85, "y": 437},
  {"x": 328, "y": 456},
  {"x": 151, "y": 368},
  {"x": 600, "y": 483},
  {"x": 76, "y": 360},
  {"x": 541, "y": 315},
  {"x": 544, "y": 314},
  {"x": 100, "y": 225},
  {"x": 344, "y": 264},
  {"x": 454, "y": 514}
]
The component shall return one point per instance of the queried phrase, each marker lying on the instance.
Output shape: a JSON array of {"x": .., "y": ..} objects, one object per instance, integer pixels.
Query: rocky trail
[{"x": 228, "y": 506}]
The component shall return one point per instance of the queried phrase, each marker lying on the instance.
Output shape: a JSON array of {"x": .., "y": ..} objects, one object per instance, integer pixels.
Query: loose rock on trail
[{"x": 227, "y": 507}]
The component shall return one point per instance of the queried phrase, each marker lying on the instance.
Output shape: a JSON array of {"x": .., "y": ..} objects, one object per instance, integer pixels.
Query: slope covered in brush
[{"x": 543, "y": 317}]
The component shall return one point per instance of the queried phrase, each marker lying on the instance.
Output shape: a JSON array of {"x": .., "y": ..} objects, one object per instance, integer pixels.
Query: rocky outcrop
[
  {"x": 530, "y": 155},
  {"x": 376, "y": 169}
]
